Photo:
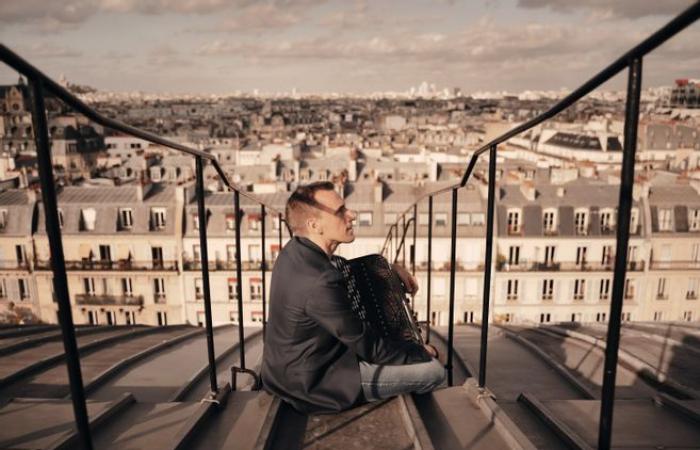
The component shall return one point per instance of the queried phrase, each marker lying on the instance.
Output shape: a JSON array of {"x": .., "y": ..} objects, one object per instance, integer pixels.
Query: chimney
[
  {"x": 434, "y": 170},
  {"x": 378, "y": 192},
  {"x": 560, "y": 191}
]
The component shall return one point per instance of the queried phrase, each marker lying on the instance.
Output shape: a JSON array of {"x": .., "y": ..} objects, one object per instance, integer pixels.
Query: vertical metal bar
[
  {"x": 202, "y": 217},
  {"x": 58, "y": 264},
  {"x": 413, "y": 249},
  {"x": 279, "y": 234},
  {"x": 403, "y": 239},
  {"x": 487, "y": 266},
  {"x": 263, "y": 264},
  {"x": 634, "y": 85},
  {"x": 430, "y": 264},
  {"x": 239, "y": 278},
  {"x": 453, "y": 267}
]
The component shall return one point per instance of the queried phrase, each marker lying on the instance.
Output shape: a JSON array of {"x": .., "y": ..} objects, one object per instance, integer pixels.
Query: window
[
  {"x": 687, "y": 316},
  {"x": 549, "y": 255},
  {"x": 196, "y": 252},
  {"x": 127, "y": 287},
  {"x": 89, "y": 286},
  {"x": 692, "y": 293},
  {"x": 626, "y": 316},
  {"x": 157, "y": 218},
  {"x": 665, "y": 219},
  {"x": 23, "y": 288},
  {"x": 606, "y": 221},
  {"x": 514, "y": 255},
  {"x": 198, "y": 290},
  {"x": 162, "y": 317},
  {"x": 195, "y": 221},
  {"x": 274, "y": 251},
  {"x": 254, "y": 253},
  {"x": 157, "y": 256},
  {"x": 254, "y": 222},
  {"x": 478, "y": 219},
  {"x": 581, "y": 255},
  {"x": 3, "y": 288},
  {"x": 232, "y": 289},
  {"x": 21, "y": 256},
  {"x": 576, "y": 317},
  {"x": 464, "y": 219},
  {"x": 601, "y": 317},
  {"x": 441, "y": 219},
  {"x": 604, "y": 289},
  {"x": 545, "y": 318},
  {"x": 159, "y": 289},
  {"x": 694, "y": 219},
  {"x": 661, "y": 289},
  {"x": 658, "y": 316},
  {"x": 365, "y": 219},
  {"x": 88, "y": 217},
  {"x": 547, "y": 290},
  {"x": 548, "y": 221},
  {"x": 231, "y": 222},
  {"x": 513, "y": 221},
  {"x": 126, "y": 218},
  {"x": 634, "y": 220},
  {"x": 629, "y": 289},
  {"x": 581, "y": 222},
  {"x": 130, "y": 317},
  {"x": 607, "y": 255},
  {"x": 512, "y": 290},
  {"x": 579, "y": 289},
  {"x": 255, "y": 289}
]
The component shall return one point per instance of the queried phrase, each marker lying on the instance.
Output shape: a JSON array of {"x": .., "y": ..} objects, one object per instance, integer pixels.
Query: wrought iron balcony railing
[
  {"x": 674, "y": 265},
  {"x": 40, "y": 85},
  {"x": 564, "y": 266},
  {"x": 104, "y": 299},
  {"x": 13, "y": 264},
  {"x": 105, "y": 265}
]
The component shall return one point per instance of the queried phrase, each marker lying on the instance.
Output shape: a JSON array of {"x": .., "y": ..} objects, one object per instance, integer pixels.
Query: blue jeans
[{"x": 380, "y": 382}]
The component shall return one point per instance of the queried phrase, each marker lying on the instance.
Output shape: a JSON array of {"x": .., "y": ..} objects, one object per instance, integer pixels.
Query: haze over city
[{"x": 355, "y": 47}]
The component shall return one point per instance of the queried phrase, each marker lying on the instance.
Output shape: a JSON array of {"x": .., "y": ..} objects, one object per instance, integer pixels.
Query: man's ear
[{"x": 312, "y": 225}]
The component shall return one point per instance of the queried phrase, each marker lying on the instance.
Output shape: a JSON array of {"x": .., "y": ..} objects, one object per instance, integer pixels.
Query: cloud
[
  {"x": 46, "y": 50},
  {"x": 261, "y": 16},
  {"x": 629, "y": 9},
  {"x": 62, "y": 14}
]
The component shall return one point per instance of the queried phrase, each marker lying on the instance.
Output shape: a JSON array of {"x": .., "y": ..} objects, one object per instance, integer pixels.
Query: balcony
[
  {"x": 674, "y": 265},
  {"x": 191, "y": 264},
  {"x": 13, "y": 264},
  {"x": 566, "y": 266},
  {"x": 123, "y": 264},
  {"x": 118, "y": 300}
]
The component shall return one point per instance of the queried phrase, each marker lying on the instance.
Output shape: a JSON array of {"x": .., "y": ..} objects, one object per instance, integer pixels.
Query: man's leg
[{"x": 384, "y": 381}]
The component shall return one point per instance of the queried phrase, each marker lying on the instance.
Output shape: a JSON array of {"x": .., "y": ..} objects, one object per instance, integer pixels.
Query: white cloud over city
[{"x": 219, "y": 46}]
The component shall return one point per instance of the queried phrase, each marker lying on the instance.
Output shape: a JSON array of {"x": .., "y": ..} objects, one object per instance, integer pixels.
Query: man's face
[{"x": 334, "y": 220}]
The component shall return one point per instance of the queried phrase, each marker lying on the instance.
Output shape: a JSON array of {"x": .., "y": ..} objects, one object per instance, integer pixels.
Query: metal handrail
[{"x": 22, "y": 66}]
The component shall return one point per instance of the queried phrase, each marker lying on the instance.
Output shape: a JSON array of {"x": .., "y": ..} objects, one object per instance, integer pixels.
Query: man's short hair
[{"x": 300, "y": 204}]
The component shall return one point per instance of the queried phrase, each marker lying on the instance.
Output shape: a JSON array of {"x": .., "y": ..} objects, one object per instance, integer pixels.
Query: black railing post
[
  {"x": 263, "y": 264},
  {"x": 453, "y": 267},
  {"x": 430, "y": 266},
  {"x": 634, "y": 85},
  {"x": 239, "y": 277},
  {"x": 413, "y": 248},
  {"x": 403, "y": 240},
  {"x": 204, "y": 258},
  {"x": 487, "y": 266},
  {"x": 58, "y": 265}
]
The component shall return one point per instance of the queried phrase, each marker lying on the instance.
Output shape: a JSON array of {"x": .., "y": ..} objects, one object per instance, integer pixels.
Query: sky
[{"x": 341, "y": 46}]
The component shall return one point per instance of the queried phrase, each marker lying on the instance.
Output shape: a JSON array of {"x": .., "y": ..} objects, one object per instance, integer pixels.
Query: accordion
[{"x": 378, "y": 297}]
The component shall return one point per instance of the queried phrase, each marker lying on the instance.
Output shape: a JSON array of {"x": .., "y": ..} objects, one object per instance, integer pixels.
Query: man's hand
[
  {"x": 431, "y": 350},
  {"x": 408, "y": 280}
]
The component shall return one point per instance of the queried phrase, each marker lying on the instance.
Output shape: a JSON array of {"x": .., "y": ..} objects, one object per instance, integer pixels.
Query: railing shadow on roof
[{"x": 394, "y": 243}]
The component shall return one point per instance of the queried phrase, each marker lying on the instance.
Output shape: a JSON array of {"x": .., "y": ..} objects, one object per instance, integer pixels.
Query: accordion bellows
[{"x": 378, "y": 297}]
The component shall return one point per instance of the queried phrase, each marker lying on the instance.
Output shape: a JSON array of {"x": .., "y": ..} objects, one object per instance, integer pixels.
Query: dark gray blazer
[{"x": 313, "y": 340}]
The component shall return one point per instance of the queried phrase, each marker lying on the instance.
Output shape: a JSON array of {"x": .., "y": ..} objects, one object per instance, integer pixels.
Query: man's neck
[{"x": 327, "y": 246}]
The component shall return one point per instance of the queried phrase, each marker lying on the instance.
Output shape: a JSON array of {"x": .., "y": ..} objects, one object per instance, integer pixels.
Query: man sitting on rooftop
[{"x": 318, "y": 355}]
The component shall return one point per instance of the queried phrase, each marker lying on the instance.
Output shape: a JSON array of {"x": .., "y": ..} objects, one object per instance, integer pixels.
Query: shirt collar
[{"x": 306, "y": 242}]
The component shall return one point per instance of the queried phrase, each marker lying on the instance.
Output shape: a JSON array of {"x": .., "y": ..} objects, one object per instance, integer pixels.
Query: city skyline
[{"x": 317, "y": 46}]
